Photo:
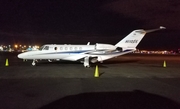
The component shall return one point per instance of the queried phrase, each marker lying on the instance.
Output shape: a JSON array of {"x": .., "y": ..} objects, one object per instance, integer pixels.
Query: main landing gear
[{"x": 86, "y": 62}]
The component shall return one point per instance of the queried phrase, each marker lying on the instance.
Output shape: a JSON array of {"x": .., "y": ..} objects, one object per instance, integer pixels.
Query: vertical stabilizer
[{"x": 134, "y": 38}]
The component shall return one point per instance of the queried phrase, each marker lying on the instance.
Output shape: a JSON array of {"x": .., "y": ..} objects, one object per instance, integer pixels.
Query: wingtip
[{"x": 162, "y": 27}]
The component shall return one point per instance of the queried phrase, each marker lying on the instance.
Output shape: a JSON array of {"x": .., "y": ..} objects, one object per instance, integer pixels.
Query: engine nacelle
[
  {"x": 119, "y": 49},
  {"x": 105, "y": 46}
]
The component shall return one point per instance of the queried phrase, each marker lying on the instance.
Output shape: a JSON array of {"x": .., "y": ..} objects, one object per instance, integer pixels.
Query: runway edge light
[
  {"x": 164, "y": 64},
  {"x": 96, "y": 74},
  {"x": 7, "y": 63}
]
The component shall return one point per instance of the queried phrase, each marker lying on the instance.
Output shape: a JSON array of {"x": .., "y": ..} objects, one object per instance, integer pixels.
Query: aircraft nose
[{"x": 21, "y": 56}]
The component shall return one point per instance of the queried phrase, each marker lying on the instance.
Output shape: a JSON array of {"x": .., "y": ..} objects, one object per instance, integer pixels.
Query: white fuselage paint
[
  {"x": 62, "y": 52},
  {"x": 72, "y": 52}
]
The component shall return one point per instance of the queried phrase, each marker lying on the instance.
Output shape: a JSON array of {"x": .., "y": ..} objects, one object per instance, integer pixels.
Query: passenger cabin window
[
  {"x": 55, "y": 48},
  {"x": 46, "y": 48},
  {"x": 70, "y": 48},
  {"x": 66, "y": 48},
  {"x": 75, "y": 48}
]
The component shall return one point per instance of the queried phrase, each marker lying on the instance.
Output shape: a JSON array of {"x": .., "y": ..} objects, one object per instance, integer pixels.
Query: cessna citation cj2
[{"x": 87, "y": 53}]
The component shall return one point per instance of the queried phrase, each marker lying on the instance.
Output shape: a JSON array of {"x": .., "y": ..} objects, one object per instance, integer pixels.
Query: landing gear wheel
[
  {"x": 49, "y": 60},
  {"x": 33, "y": 63},
  {"x": 87, "y": 66}
]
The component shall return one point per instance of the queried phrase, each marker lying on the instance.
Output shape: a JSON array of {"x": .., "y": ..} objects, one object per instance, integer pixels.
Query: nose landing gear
[{"x": 34, "y": 62}]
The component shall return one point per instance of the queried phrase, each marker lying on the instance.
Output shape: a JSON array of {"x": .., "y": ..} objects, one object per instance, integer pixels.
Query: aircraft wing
[
  {"x": 93, "y": 53},
  {"x": 99, "y": 52},
  {"x": 75, "y": 57}
]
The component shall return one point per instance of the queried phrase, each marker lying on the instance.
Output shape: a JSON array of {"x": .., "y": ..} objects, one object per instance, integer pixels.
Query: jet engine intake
[{"x": 119, "y": 49}]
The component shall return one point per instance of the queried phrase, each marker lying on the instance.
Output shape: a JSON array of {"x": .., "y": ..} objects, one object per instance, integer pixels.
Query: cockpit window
[
  {"x": 46, "y": 48},
  {"x": 41, "y": 47}
]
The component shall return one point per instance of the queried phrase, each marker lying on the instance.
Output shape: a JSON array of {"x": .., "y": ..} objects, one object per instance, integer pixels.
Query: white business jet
[{"x": 87, "y": 53}]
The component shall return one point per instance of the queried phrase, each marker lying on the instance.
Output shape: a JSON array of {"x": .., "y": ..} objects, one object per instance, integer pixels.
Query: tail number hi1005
[{"x": 131, "y": 41}]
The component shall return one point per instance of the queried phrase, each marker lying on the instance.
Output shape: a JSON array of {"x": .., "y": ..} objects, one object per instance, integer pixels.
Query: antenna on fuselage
[{"x": 88, "y": 43}]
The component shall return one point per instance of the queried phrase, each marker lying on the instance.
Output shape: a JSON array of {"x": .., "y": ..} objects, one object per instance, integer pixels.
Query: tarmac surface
[{"x": 133, "y": 81}]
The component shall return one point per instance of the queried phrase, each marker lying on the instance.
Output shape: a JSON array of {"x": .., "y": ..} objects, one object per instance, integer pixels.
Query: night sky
[{"x": 81, "y": 21}]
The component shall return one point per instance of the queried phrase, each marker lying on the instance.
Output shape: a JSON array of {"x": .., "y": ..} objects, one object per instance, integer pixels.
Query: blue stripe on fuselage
[
  {"x": 66, "y": 52},
  {"x": 82, "y": 51}
]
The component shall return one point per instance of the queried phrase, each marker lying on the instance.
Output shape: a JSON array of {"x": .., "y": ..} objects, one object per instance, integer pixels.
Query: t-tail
[{"x": 133, "y": 39}]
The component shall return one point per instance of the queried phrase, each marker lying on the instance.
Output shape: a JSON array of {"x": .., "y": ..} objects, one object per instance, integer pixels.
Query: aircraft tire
[{"x": 33, "y": 63}]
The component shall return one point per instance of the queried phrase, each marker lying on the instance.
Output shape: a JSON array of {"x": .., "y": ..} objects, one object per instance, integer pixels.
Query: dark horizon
[{"x": 79, "y": 22}]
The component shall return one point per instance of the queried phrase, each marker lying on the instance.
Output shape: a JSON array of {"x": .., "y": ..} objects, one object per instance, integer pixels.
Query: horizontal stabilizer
[{"x": 160, "y": 28}]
